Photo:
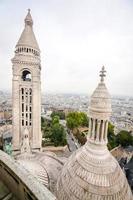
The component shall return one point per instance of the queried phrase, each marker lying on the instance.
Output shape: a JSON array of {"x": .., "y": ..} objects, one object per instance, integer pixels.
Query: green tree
[
  {"x": 112, "y": 140},
  {"x": 55, "y": 120},
  {"x": 42, "y": 122},
  {"x": 72, "y": 120},
  {"x": 124, "y": 138},
  {"x": 45, "y": 127},
  {"x": 83, "y": 119},
  {"x": 58, "y": 135},
  {"x": 60, "y": 114},
  {"x": 76, "y": 119},
  {"x": 110, "y": 129},
  {"x": 54, "y": 132}
]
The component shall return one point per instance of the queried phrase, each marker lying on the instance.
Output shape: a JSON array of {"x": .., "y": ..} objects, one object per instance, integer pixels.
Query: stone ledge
[
  {"x": 39, "y": 191},
  {"x": 54, "y": 149}
]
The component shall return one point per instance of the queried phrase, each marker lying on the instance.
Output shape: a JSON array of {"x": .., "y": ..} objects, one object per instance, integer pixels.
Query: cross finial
[
  {"x": 28, "y": 19},
  {"x": 102, "y": 74}
]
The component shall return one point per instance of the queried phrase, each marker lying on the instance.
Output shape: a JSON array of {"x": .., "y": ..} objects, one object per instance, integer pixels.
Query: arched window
[{"x": 26, "y": 75}]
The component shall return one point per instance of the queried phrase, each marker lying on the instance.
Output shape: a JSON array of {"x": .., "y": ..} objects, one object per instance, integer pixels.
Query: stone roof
[
  {"x": 36, "y": 169},
  {"x": 23, "y": 178},
  {"x": 45, "y": 166},
  {"x": 27, "y": 38}
]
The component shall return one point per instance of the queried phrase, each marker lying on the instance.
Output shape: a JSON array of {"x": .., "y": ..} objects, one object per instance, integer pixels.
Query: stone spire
[
  {"x": 27, "y": 38},
  {"x": 28, "y": 19},
  {"x": 99, "y": 112},
  {"x": 92, "y": 173}
]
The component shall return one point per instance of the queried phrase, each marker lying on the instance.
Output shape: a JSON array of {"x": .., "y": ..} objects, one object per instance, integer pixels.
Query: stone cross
[{"x": 102, "y": 74}]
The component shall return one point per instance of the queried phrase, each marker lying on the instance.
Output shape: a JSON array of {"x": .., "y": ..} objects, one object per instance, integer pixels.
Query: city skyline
[{"x": 75, "y": 41}]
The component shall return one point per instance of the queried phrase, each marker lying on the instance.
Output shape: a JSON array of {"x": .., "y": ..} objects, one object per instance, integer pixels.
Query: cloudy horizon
[{"x": 76, "y": 39}]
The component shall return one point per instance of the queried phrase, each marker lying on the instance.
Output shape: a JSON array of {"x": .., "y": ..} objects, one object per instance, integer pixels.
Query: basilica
[{"x": 91, "y": 172}]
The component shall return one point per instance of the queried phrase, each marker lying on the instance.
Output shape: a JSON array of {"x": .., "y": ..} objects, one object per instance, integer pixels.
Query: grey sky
[{"x": 76, "y": 38}]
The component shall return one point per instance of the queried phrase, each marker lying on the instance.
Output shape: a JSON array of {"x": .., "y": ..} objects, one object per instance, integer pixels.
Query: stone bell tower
[{"x": 26, "y": 91}]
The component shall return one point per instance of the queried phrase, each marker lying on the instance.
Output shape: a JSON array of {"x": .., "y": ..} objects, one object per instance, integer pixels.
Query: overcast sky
[{"x": 76, "y": 38}]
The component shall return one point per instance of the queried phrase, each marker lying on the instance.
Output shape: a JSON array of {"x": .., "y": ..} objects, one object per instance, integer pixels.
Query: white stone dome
[
  {"x": 92, "y": 173},
  {"x": 45, "y": 166}
]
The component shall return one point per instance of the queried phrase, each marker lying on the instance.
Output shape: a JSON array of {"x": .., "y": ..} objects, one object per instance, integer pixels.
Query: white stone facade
[{"x": 26, "y": 89}]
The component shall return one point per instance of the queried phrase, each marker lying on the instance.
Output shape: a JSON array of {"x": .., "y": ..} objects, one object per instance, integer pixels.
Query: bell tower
[{"x": 26, "y": 91}]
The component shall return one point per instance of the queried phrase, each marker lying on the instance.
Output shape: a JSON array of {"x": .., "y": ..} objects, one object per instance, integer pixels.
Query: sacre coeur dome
[{"x": 92, "y": 173}]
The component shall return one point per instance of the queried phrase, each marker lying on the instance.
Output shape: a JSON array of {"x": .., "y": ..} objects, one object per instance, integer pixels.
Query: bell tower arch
[{"x": 26, "y": 90}]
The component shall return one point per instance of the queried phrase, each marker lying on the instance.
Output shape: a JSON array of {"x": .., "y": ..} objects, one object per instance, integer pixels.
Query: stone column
[
  {"x": 15, "y": 113},
  {"x": 93, "y": 128},
  {"x": 36, "y": 111},
  {"x": 102, "y": 131},
  {"x": 106, "y": 131},
  {"x": 98, "y": 130},
  {"x": 90, "y": 128}
]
